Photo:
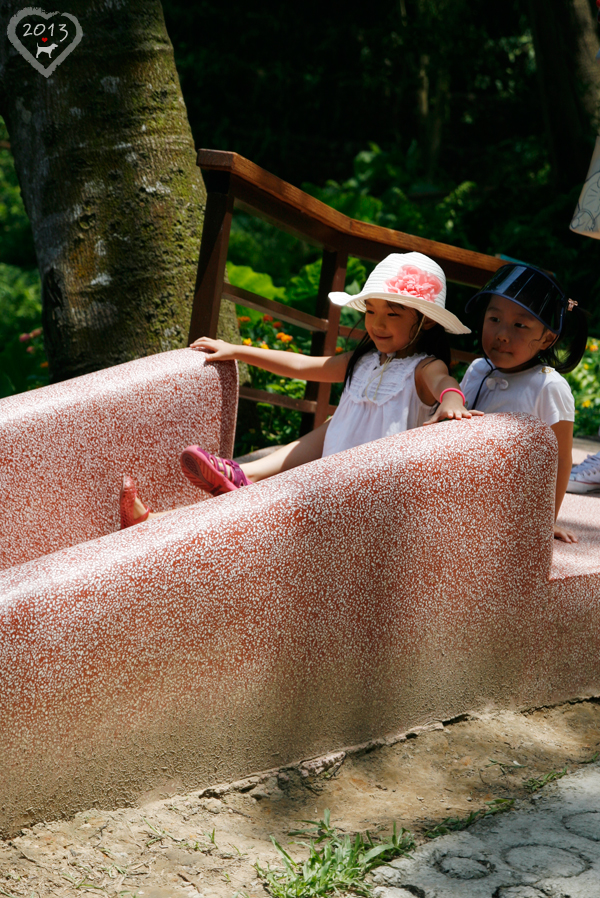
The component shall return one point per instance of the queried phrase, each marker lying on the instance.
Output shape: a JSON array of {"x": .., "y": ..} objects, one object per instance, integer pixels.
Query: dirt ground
[{"x": 207, "y": 843}]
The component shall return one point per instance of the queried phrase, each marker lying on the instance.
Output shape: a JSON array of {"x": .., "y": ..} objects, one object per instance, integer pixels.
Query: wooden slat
[
  {"x": 458, "y": 355},
  {"x": 211, "y": 263},
  {"x": 298, "y": 405},
  {"x": 332, "y": 279},
  {"x": 294, "y": 210},
  {"x": 353, "y": 332},
  {"x": 276, "y": 309}
]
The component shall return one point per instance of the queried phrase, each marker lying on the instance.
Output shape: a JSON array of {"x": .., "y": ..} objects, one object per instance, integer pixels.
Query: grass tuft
[
  {"x": 534, "y": 785},
  {"x": 456, "y": 824},
  {"x": 593, "y": 759},
  {"x": 336, "y": 862}
]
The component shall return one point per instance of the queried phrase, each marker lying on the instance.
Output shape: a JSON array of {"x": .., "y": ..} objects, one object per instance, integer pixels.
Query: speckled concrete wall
[
  {"x": 364, "y": 593},
  {"x": 65, "y": 447}
]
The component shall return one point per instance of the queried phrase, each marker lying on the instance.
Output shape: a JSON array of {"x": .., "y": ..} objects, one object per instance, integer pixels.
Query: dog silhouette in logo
[{"x": 47, "y": 50}]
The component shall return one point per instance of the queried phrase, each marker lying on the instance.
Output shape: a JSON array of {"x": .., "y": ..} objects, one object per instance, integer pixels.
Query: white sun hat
[{"x": 411, "y": 279}]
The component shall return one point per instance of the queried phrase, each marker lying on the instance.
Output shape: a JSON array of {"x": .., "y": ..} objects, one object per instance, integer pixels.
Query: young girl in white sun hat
[{"x": 392, "y": 380}]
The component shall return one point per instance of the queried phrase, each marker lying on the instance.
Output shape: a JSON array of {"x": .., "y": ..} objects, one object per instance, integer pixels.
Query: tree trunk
[
  {"x": 432, "y": 113},
  {"x": 106, "y": 162},
  {"x": 559, "y": 39},
  {"x": 588, "y": 69}
]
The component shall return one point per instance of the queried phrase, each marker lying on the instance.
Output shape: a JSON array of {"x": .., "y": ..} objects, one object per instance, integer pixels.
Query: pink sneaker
[{"x": 209, "y": 472}]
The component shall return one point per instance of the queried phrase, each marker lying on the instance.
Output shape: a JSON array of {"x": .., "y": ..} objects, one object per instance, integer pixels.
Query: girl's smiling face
[
  {"x": 511, "y": 335},
  {"x": 391, "y": 326}
]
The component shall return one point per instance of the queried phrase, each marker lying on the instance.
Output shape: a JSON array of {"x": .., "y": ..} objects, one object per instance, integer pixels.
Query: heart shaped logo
[{"x": 26, "y": 30}]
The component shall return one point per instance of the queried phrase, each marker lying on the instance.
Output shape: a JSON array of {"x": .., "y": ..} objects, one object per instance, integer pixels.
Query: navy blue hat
[{"x": 530, "y": 288}]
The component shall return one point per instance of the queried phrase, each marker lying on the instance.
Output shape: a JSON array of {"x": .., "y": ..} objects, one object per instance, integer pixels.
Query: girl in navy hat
[{"x": 531, "y": 335}]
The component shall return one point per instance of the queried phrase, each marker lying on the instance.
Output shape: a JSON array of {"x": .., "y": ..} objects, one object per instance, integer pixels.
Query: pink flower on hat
[{"x": 412, "y": 281}]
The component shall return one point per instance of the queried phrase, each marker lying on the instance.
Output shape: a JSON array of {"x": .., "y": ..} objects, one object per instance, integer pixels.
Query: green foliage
[
  {"x": 457, "y": 824},
  {"x": 20, "y": 302},
  {"x": 275, "y": 425},
  {"x": 264, "y": 247},
  {"x": 585, "y": 385},
  {"x": 16, "y": 240},
  {"x": 383, "y": 191},
  {"x": 244, "y": 276},
  {"x": 23, "y": 365},
  {"x": 535, "y": 784},
  {"x": 340, "y": 863}
]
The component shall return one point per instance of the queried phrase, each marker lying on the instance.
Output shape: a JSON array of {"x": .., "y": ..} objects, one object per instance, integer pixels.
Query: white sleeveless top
[{"x": 380, "y": 400}]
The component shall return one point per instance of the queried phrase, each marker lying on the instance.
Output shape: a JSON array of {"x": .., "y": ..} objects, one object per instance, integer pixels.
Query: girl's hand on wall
[
  {"x": 567, "y": 536},
  {"x": 451, "y": 409},
  {"x": 218, "y": 350}
]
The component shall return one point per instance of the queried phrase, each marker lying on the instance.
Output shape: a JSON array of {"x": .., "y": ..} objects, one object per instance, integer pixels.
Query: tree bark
[
  {"x": 566, "y": 94},
  {"x": 106, "y": 162},
  {"x": 588, "y": 69}
]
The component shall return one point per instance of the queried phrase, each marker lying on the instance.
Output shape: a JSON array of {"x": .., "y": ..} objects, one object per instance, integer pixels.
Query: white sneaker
[{"x": 585, "y": 477}]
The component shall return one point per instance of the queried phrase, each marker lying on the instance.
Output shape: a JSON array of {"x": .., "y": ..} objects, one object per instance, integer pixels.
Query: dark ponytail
[
  {"x": 566, "y": 353},
  {"x": 540, "y": 294},
  {"x": 433, "y": 341}
]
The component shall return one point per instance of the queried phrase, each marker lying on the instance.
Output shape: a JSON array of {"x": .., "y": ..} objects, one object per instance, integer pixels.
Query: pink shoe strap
[{"x": 231, "y": 470}]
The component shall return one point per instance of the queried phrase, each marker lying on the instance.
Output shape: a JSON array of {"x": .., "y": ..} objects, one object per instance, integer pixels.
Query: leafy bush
[
  {"x": 383, "y": 191},
  {"x": 23, "y": 365},
  {"x": 585, "y": 384},
  {"x": 16, "y": 239}
]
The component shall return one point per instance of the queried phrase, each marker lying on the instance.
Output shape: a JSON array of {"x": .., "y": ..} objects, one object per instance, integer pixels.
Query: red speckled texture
[
  {"x": 65, "y": 447},
  {"x": 365, "y": 593}
]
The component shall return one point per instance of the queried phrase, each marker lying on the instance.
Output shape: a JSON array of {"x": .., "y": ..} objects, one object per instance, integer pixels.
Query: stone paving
[{"x": 546, "y": 847}]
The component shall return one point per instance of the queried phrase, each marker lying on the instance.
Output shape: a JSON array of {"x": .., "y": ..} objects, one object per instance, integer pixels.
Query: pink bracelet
[{"x": 453, "y": 390}]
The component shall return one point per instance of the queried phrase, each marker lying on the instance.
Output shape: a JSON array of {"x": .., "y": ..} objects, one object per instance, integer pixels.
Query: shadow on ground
[{"x": 173, "y": 845}]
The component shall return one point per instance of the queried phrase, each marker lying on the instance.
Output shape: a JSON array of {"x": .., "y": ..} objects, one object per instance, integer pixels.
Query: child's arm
[
  {"x": 431, "y": 379},
  {"x": 325, "y": 369},
  {"x": 563, "y": 431}
]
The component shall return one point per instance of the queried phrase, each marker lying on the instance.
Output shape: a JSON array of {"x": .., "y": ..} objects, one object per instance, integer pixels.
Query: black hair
[
  {"x": 567, "y": 350},
  {"x": 433, "y": 341}
]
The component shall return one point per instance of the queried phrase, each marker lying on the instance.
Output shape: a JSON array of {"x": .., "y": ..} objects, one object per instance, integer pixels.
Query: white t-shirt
[
  {"x": 539, "y": 391},
  {"x": 380, "y": 400}
]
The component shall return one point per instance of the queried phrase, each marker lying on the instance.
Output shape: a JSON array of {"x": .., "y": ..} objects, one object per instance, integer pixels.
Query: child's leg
[{"x": 307, "y": 448}]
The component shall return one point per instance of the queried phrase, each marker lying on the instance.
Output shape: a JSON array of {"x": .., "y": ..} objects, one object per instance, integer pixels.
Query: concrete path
[
  {"x": 584, "y": 446},
  {"x": 547, "y": 847}
]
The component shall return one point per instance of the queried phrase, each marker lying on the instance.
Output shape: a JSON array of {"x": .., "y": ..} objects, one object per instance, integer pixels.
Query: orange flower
[
  {"x": 243, "y": 319},
  {"x": 276, "y": 323},
  {"x": 247, "y": 342},
  {"x": 43, "y": 364},
  {"x": 267, "y": 317},
  {"x": 264, "y": 345},
  {"x": 285, "y": 338},
  {"x": 339, "y": 348}
]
